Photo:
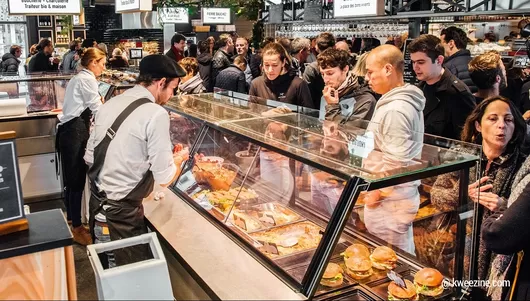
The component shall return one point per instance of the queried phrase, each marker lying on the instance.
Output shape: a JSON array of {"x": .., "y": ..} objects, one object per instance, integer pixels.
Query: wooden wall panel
[{"x": 37, "y": 276}]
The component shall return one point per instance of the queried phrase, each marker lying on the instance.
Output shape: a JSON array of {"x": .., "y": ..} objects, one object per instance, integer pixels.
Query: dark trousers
[
  {"x": 125, "y": 219},
  {"x": 73, "y": 138}
]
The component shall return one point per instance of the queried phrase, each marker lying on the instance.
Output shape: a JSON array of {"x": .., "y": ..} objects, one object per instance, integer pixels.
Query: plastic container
[{"x": 144, "y": 280}]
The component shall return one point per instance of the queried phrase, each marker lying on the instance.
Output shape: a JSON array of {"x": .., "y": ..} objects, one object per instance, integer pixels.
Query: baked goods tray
[
  {"x": 352, "y": 293},
  {"x": 380, "y": 288}
]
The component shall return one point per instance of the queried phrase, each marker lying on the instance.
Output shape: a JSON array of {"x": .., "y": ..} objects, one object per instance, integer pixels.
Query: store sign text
[
  {"x": 216, "y": 15},
  {"x": 352, "y": 8},
  {"x": 174, "y": 15},
  {"x": 43, "y": 7},
  {"x": 133, "y": 5}
]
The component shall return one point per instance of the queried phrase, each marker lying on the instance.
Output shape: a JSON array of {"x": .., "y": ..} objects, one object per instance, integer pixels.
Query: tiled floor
[{"x": 86, "y": 284}]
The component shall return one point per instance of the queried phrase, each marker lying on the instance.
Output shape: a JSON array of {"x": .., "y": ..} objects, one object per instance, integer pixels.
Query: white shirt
[
  {"x": 81, "y": 93},
  {"x": 142, "y": 143}
]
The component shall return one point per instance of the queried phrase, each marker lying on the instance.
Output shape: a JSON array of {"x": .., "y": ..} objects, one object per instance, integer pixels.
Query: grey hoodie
[
  {"x": 192, "y": 86},
  {"x": 398, "y": 128}
]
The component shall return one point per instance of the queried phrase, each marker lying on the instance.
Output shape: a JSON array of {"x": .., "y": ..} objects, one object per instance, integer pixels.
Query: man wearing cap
[{"x": 129, "y": 150}]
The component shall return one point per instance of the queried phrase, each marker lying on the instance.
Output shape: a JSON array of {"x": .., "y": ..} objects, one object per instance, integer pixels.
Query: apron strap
[{"x": 100, "y": 151}]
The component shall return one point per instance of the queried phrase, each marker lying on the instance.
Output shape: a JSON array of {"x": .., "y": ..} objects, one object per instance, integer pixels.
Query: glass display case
[
  {"x": 296, "y": 192},
  {"x": 43, "y": 92}
]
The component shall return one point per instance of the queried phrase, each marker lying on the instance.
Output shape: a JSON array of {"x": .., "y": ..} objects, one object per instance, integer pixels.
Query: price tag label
[
  {"x": 362, "y": 145},
  {"x": 240, "y": 222},
  {"x": 267, "y": 219},
  {"x": 269, "y": 247}
]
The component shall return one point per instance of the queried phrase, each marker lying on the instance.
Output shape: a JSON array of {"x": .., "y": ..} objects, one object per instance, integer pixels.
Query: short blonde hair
[
  {"x": 117, "y": 52},
  {"x": 189, "y": 64},
  {"x": 360, "y": 66}
]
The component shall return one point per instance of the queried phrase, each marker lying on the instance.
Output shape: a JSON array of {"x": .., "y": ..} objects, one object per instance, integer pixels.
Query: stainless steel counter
[
  {"x": 35, "y": 144},
  {"x": 228, "y": 270}
]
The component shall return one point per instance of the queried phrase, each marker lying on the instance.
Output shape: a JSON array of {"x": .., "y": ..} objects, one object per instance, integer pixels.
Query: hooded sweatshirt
[
  {"x": 192, "y": 86},
  {"x": 356, "y": 102},
  {"x": 398, "y": 127}
]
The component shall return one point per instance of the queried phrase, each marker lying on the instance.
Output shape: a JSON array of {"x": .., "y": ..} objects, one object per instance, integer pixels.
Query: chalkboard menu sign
[
  {"x": 409, "y": 75},
  {"x": 313, "y": 12},
  {"x": 11, "y": 201},
  {"x": 276, "y": 14}
]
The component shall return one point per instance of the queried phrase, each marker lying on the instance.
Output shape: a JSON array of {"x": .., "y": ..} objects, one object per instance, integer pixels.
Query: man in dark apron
[{"x": 117, "y": 188}]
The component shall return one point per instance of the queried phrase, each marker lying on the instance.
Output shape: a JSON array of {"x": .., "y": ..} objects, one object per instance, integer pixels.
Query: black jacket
[
  {"x": 10, "y": 63},
  {"x": 315, "y": 81},
  {"x": 232, "y": 79},
  {"x": 448, "y": 103},
  {"x": 205, "y": 70},
  {"x": 458, "y": 65},
  {"x": 255, "y": 65},
  {"x": 525, "y": 97},
  {"x": 220, "y": 61},
  {"x": 118, "y": 62},
  {"x": 363, "y": 109},
  {"x": 40, "y": 62},
  {"x": 507, "y": 232},
  {"x": 286, "y": 88}
]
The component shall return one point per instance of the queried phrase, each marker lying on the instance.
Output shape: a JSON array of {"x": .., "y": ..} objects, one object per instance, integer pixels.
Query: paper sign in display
[
  {"x": 45, "y": 7},
  {"x": 216, "y": 16},
  {"x": 133, "y": 5},
  {"x": 240, "y": 222},
  {"x": 362, "y": 145},
  {"x": 269, "y": 247},
  {"x": 267, "y": 219},
  {"x": 352, "y": 8},
  {"x": 11, "y": 205},
  {"x": 176, "y": 15}
]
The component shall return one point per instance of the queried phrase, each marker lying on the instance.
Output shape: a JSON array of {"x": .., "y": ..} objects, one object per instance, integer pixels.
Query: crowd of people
[
  {"x": 458, "y": 97},
  {"x": 41, "y": 57}
]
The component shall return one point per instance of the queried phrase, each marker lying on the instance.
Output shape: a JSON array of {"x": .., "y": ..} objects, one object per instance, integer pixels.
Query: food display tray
[
  {"x": 380, "y": 288},
  {"x": 349, "y": 294},
  {"x": 278, "y": 257}
]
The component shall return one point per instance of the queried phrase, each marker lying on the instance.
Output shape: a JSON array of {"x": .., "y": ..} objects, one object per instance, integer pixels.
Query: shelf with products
[
  {"x": 44, "y": 21},
  {"x": 284, "y": 185}
]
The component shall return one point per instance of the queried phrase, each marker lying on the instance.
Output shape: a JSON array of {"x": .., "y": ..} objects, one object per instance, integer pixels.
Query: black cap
[{"x": 159, "y": 66}]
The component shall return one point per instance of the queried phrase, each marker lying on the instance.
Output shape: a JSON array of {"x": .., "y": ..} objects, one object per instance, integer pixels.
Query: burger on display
[
  {"x": 332, "y": 276},
  {"x": 398, "y": 293},
  {"x": 384, "y": 258},
  {"x": 429, "y": 282},
  {"x": 359, "y": 267}
]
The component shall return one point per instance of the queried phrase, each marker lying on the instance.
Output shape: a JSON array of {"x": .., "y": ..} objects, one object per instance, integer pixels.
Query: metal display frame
[{"x": 337, "y": 223}]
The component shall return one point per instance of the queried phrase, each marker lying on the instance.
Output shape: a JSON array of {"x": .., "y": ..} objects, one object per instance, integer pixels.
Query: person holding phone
[
  {"x": 82, "y": 99},
  {"x": 498, "y": 126}
]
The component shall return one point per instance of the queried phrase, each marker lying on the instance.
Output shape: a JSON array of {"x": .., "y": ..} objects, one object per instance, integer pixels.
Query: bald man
[
  {"x": 342, "y": 45},
  {"x": 397, "y": 126}
]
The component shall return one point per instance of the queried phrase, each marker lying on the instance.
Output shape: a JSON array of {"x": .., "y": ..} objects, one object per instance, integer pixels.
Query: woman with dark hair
[
  {"x": 368, "y": 44},
  {"x": 277, "y": 83},
  {"x": 498, "y": 126},
  {"x": 40, "y": 62},
  {"x": 192, "y": 51},
  {"x": 507, "y": 232}
]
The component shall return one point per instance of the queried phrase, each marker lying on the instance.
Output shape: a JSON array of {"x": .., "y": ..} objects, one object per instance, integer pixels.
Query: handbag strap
[{"x": 100, "y": 151}]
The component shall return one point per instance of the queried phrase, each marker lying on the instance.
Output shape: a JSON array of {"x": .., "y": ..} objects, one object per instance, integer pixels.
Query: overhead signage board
[
  {"x": 44, "y": 7},
  {"x": 216, "y": 16},
  {"x": 132, "y": 6},
  {"x": 357, "y": 8},
  {"x": 175, "y": 15}
]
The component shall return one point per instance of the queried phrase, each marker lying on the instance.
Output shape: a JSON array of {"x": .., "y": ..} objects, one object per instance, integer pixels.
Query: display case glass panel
[{"x": 298, "y": 191}]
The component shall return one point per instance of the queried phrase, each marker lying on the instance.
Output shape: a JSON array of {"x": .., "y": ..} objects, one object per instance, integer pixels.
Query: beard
[{"x": 503, "y": 84}]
